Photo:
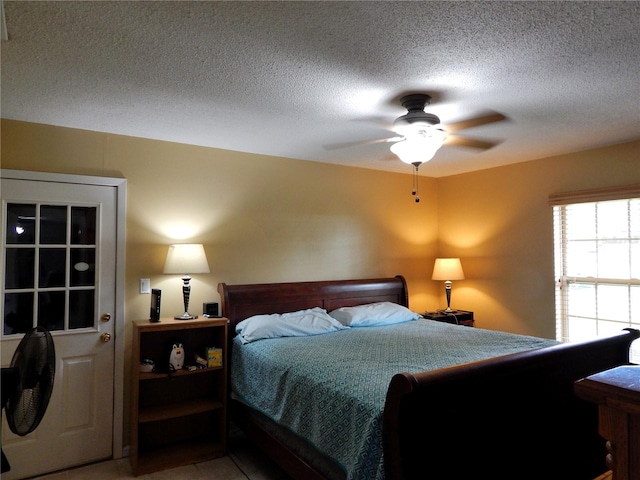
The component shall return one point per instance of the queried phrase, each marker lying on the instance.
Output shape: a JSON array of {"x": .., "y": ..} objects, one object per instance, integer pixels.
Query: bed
[{"x": 502, "y": 413}]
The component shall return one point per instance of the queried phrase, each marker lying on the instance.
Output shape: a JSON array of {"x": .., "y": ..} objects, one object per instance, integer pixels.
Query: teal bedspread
[{"x": 331, "y": 388}]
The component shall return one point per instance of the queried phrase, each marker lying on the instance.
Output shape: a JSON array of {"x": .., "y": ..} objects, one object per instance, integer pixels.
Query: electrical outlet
[{"x": 145, "y": 285}]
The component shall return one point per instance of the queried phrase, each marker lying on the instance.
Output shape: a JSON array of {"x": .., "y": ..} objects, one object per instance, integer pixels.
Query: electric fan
[
  {"x": 27, "y": 384},
  {"x": 418, "y": 122}
]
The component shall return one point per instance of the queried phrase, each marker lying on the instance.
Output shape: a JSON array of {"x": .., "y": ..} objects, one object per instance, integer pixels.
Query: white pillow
[
  {"x": 312, "y": 321},
  {"x": 373, "y": 314}
]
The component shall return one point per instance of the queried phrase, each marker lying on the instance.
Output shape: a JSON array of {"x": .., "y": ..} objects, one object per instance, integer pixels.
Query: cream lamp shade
[
  {"x": 185, "y": 259},
  {"x": 447, "y": 269}
]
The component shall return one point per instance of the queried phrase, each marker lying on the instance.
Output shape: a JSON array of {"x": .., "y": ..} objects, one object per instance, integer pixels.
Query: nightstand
[{"x": 460, "y": 317}]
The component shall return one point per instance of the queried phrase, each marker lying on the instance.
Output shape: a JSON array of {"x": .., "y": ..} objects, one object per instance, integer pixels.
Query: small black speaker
[
  {"x": 154, "y": 313},
  {"x": 210, "y": 309}
]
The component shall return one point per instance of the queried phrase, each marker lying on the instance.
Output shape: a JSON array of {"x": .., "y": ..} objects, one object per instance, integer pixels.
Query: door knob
[
  {"x": 105, "y": 317},
  {"x": 105, "y": 337}
]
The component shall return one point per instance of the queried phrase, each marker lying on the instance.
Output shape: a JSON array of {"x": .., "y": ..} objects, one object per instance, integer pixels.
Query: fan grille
[{"x": 34, "y": 359}]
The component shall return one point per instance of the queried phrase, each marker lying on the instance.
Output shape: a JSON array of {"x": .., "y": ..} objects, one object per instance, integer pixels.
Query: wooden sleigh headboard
[{"x": 243, "y": 301}]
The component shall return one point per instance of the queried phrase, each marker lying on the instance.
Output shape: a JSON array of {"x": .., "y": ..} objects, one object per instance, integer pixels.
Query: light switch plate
[{"x": 145, "y": 285}]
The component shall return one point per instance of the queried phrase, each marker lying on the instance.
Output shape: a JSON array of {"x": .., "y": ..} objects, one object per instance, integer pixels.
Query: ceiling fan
[
  {"x": 421, "y": 134},
  {"x": 416, "y": 120}
]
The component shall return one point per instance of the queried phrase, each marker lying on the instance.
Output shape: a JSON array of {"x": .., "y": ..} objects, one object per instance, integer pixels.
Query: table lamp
[
  {"x": 447, "y": 269},
  {"x": 186, "y": 257}
]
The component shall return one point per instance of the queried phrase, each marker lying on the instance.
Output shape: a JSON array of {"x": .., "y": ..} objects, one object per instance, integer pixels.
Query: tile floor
[{"x": 243, "y": 462}]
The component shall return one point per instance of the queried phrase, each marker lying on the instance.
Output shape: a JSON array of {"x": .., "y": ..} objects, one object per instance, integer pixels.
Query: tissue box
[{"x": 214, "y": 357}]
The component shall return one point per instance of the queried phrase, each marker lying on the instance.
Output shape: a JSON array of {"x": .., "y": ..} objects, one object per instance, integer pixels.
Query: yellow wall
[
  {"x": 268, "y": 219},
  {"x": 261, "y": 219},
  {"x": 499, "y": 222}
]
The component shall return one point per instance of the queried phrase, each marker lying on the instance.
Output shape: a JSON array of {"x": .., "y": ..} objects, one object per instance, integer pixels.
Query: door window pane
[
  {"x": 51, "y": 310},
  {"x": 18, "y": 313},
  {"x": 20, "y": 265},
  {"x": 83, "y": 267},
  {"x": 83, "y": 225},
  {"x": 52, "y": 267},
  {"x": 21, "y": 225},
  {"x": 81, "y": 309},
  {"x": 53, "y": 224}
]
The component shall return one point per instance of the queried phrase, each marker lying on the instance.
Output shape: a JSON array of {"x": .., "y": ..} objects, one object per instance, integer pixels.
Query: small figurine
[{"x": 176, "y": 356}]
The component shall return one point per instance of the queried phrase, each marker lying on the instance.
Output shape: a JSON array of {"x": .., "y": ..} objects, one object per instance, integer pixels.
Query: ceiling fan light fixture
[
  {"x": 419, "y": 148},
  {"x": 418, "y": 127}
]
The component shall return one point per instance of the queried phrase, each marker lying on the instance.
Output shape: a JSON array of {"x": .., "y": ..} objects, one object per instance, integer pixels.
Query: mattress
[{"x": 330, "y": 389}]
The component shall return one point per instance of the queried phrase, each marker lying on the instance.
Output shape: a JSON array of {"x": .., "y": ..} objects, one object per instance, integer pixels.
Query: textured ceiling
[{"x": 291, "y": 78}]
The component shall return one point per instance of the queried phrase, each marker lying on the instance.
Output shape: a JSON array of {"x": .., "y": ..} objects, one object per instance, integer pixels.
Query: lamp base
[{"x": 186, "y": 316}]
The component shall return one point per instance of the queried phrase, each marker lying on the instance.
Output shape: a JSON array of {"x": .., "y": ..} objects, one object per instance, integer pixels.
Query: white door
[{"x": 58, "y": 270}]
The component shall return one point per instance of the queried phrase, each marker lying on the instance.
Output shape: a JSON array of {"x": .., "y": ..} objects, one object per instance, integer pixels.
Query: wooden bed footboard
[{"x": 510, "y": 417}]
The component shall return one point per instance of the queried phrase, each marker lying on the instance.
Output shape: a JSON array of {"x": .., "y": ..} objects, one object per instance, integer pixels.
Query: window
[{"x": 597, "y": 263}]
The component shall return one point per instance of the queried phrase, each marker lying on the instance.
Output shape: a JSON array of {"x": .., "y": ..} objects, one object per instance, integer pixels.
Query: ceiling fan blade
[
  {"x": 378, "y": 120},
  {"x": 488, "y": 117},
  {"x": 458, "y": 141},
  {"x": 335, "y": 146}
]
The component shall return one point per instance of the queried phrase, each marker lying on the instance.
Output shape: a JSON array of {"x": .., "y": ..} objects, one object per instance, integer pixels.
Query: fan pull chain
[
  {"x": 414, "y": 187},
  {"x": 415, "y": 181}
]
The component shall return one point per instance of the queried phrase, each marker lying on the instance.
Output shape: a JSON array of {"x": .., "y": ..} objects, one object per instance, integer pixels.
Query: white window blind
[{"x": 597, "y": 263}]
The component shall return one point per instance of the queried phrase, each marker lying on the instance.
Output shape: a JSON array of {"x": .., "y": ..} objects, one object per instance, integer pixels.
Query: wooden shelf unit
[{"x": 177, "y": 418}]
